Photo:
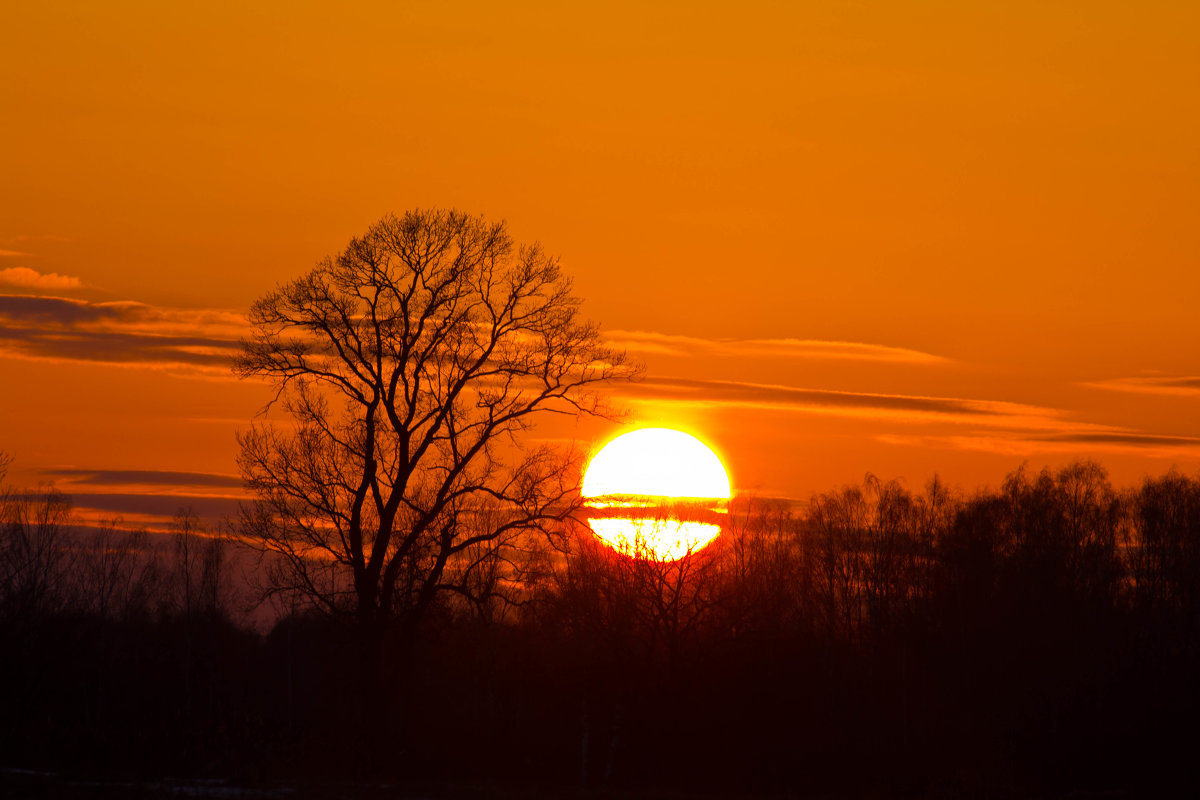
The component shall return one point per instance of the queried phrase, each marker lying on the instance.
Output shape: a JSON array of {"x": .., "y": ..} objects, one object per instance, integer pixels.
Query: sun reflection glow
[{"x": 660, "y": 539}]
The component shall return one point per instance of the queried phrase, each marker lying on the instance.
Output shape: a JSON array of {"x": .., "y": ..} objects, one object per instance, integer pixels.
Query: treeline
[
  {"x": 118, "y": 648},
  {"x": 1040, "y": 636}
]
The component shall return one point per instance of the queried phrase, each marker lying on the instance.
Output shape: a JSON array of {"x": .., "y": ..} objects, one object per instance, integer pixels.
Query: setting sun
[{"x": 656, "y": 493}]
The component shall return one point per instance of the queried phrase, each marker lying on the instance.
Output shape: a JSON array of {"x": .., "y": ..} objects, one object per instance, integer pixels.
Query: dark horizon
[{"x": 1039, "y": 638}]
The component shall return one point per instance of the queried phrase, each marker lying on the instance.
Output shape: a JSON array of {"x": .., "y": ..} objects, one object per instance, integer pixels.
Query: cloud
[
  {"x": 718, "y": 393},
  {"x": 1071, "y": 442},
  {"x": 993, "y": 426},
  {"x": 162, "y": 506},
  {"x": 650, "y": 342},
  {"x": 13, "y": 254},
  {"x": 26, "y": 278},
  {"x": 146, "y": 496},
  {"x": 124, "y": 333},
  {"x": 1179, "y": 386},
  {"x": 143, "y": 477},
  {"x": 1134, "y": 439}
]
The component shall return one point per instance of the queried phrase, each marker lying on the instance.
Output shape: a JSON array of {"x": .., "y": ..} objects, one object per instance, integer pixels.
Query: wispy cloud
[
  {"x": 649, "y": 342},
  {"x": 1183, "y": 385},
  {"x": 145, "y": 496},
  {"x": 143, "y": 477},
  {"x": 1133, "y": 439},
  {"x": 121, "y": 333},
  {"x": 1029, "y": 443},
  {"x": 12, "y": 253},
  {"x": 26, "y": 278},
  {"x": 149, "y": 507},
  {"x": 718, "y": 393}
]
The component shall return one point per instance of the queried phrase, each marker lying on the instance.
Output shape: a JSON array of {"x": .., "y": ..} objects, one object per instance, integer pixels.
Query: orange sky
[{"x": 845, "y": 237}]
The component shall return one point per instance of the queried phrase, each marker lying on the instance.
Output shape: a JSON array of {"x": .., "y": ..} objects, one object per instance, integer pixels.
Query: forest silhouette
[
  {"x": 1040, "y": 636},
  {"x": 431, "y": 604}
]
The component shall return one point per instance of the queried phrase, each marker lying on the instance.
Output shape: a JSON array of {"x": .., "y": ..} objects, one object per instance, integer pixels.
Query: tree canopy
[{"x": 410, "y": 367}]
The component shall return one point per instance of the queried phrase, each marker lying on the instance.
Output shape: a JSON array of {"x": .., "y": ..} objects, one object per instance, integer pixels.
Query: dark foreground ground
[
  {"x": 1037, "y": 641},
  {"x": 16, "y": 784}
]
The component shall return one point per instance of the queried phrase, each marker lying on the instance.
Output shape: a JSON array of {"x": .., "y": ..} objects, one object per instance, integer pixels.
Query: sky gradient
[{"x": 899, "y": 238}]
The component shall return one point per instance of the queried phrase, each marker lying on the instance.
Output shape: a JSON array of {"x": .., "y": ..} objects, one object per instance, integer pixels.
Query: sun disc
[{"x": 656, "y": 493}]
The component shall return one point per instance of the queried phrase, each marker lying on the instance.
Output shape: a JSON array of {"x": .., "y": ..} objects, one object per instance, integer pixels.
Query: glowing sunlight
[{"x": 656, "y": 493}]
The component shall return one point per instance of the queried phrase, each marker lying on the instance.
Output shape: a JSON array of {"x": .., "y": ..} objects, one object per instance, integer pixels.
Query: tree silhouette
[
  {"x": 412, "y": 365},
  {"x": 35, "y": 557}
]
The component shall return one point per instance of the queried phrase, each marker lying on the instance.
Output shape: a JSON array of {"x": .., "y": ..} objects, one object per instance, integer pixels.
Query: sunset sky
[{"x": 898, "y": 238}]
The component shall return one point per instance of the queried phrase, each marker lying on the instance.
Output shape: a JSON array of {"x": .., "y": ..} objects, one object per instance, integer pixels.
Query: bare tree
[
  {"x": 765, "y": 578},
  {"x": 412, "y": 366},
  {"x": 199, "y": 567},
  {"x": 873, "y": 552},
  {"x": 35, "y": 557},
  {"x": 1162, "y": 545},
  {"x": 117, "y": 575}
]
